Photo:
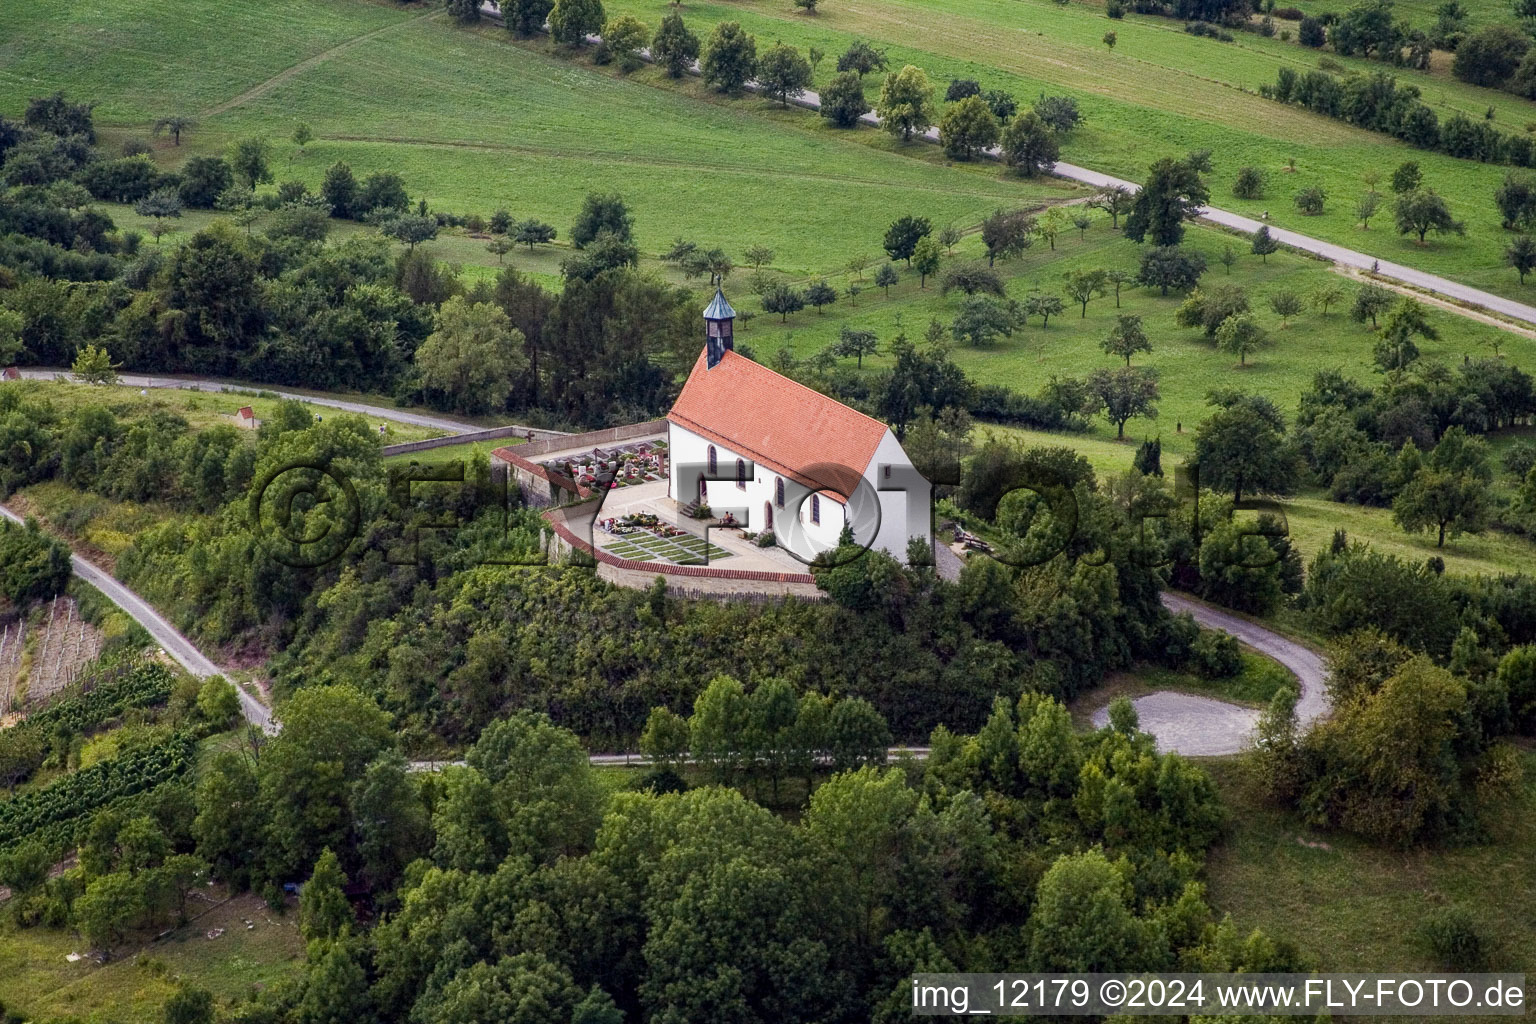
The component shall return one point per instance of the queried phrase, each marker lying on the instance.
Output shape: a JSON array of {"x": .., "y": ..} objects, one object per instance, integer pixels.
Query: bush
[
  {"x": 1453, "y": 936},
  {"x": 1288, "y": 13},
  {"x": 1249, "y": 183},
  {"x": 1215, "y": 655}
]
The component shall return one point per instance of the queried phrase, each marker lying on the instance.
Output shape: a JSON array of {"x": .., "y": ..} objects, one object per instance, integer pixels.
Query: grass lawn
[
  {"x": 42, "y": 984},
  {"x": 1163, "y": 92},
  {"x": 469, "y": 452},
  {"x": 1354, "y": 907}
]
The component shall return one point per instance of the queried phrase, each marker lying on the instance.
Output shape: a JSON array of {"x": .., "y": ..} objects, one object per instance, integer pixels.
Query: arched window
[
  {"x": 713, "y": 461},
  {"x": 741, "y": 474},
  {"x": 816, "y": 509},
  {"x": 778, "y": 492}
]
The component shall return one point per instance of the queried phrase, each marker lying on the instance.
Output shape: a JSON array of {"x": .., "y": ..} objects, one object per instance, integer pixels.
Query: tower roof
[{"x": 718, "y": 308}]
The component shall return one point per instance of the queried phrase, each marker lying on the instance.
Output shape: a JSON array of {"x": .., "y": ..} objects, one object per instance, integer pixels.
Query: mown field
[{"x": 1161, "y": 92}]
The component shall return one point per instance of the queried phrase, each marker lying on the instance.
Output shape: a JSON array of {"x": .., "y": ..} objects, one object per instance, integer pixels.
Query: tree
[
  {"x": 92, "y": 365},
  {"x": 1241, "y": 447},
  {"x": 1118, "y": 279},
  {"x": 1043, "y": 306},
  {"x": 324, "y": 912},
  {"x": 1447, "y": 502},
  {"x": 174, "y": 126},
  {"x": 1207, "y": 308},
  {"x": 499, "y": 247},
  {"x": 1126, "y": 338},
  {"x": 730, "y": 58},
  {"x": 819, "y": 294},
  {"x": 1249, "y": 183},
  {"x": 1521, "y": 255},
  {"x": 1028, "y": 145},
  {"x": 1051, "y": 225},
  {"x": 902, "y": 236},
  {"x": 675, "y": 48},
  {"x": 949, "y": 237},
  {"x": 1081, "y": 920},
  {"x": 164, "y": 202},
  {"x": 602, "y": 213},
  {"x": 465, "y": 12},
  {"x": 410, "y": 229},
  {"x": 533, "y": 232},
  {"x": 1083, "y": 286},
  {"x": 972, "y": 278},
  {"x": 757, "y": 256},
  {"x": 1114, "y": 200},
  {"x": 1173, "y": 193},
  {"x": 303, "y": 136},
  {"x": 623, "y": 39},
  {"x": 1328, "y": 295},
  {"x": 967, "y": 128},
  {"x": 1310, "y": 200},
  {"x": 1171, "y": 266},
  {"x": 1007, "y": 233},
  {"x": 1060, "y": 113},
  {"x": 782, "y": 72},
  {"x": 33, "y": 566},
  {"x": 1285, "y": 304},
  {"x": 1406, "y": 177},
  {"x": 926, "y": 257},
  {"x": 857, "y": 344},
  {"x": 1122, "y": 393},
  {"x": 1370, "y": 302},
  {"x": 842, "y": 101},
  {"x": 189, "y": 1005},
  {"x": 474, "y": 356},
  {"x": 1264, "y": 244},
  {"x": 981, "y": 320},
  {"x": 339, "y": 190},
  {"x": 1490, "y": 55},
  {"x": 1110, "y": 39},
  {"x": 1240, "y": 335},
  {"x": 250, "y": 160},
  {"x": 885, "y": 276},
  {"x": 109, "y": 907},
  {"x": 571, "y": 21},
  {"x": 203, "y": 178},
  {"x": 782, "y": 299},
  {"x": 1366, "y": 208},
  {"x": 525, "y": 18},
  {"x": 906, "y": 102},
  {"x": 861, "y": 58}
]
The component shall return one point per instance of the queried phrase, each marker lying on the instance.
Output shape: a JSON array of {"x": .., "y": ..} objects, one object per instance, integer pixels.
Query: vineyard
[
  {"x": 55, "y": 813},
  {"x": 13, "y": 637},
  {"x": 65, "y": 646}
]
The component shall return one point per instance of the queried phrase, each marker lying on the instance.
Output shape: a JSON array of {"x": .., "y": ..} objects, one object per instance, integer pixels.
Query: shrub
[
  {"x": 1215, "y": 655},
  {"x": 1310, "y": 200},
  {"x": 1288, "y": 13},
  {"x": 1453, "y": 936},
  {"x": 1249, "y": 183}
]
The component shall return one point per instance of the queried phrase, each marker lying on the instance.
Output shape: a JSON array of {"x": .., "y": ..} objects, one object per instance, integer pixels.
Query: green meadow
[{"x": 1162, "y": 92}]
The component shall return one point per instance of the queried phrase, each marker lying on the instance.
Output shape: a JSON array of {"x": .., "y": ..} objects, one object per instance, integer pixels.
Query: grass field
[
  {"x": 1354, "y": 907},
  {"x": 1162, "y": 92}
]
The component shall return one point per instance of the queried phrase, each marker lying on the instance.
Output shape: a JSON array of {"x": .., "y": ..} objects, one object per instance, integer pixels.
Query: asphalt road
[
  {"x": 139, "y": 380},
  {"x": 1205, "y": 726},
  {"x": 163, "y": 633}
]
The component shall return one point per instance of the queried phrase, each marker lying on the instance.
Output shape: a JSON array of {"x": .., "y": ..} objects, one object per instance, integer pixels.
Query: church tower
[{"x": 719, "y": 320}]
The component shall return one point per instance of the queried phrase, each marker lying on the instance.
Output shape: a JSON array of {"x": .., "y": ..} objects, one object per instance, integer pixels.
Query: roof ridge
[{"x": 822, "y": 395}]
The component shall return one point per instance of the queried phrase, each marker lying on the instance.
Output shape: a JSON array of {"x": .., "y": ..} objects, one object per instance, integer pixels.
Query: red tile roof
[
  {"x": 778, "y": 422},
  {"x": 246, "y": 413}
]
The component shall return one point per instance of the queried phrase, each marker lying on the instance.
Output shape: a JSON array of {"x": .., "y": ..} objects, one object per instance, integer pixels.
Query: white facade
[{"x": 803, "y": 522}]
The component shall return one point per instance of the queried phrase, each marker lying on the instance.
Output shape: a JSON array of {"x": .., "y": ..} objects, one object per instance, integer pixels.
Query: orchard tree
[
  {"x": 967, "y": 128},
  {"x": 906, "y": 103},
  {"x": 981, "y": 320},
  {"x": 1285, "y": 304},
  {"x": 1122, "y": 393},
  {"x": 571, "y": 21},
  {"x": 1366, "y": 208},
  {"x": 1007, "y": 233},
  {"x": 783, "y": 72},
  {"x": 251, "y": 161},
  {"x": 1446, "y": 502},
  {"x": 926, "y": 256},
  {"x": 623, "y": 39},
  {"x": 902, "y": 236},
  {"x": 499, "y": 247},
  {"x": 1407, "y": 177},
  {"x": 1028, "y": 146},
  {"x": 885, "y": 276},
  {"x": 410, "y": 229},
  {"x": 782, "y": 299},
  {"x": 819, "y": 294},
  {"x": 526, "y": 18},
  {"x": 675, "y": 48},
  {"x": 1310, "y": 200},
  {"x": 1263, "y": 244},
  {"x": 175, "y": 126},
  {"x": 1242, "y": 447},
  {"x": 861, "y": 58},
  {"x": 1171, "y": 266},
  {"x": 1173, "y": 193},
  {"x": 1043, "y": 306},
  {"x": 1119, "y": 279},
  {"x": 533, "y": 232},
  {"x": 1422, "y": 211},
  {"x": 1239, "y": 335},
  {"x": 1371, "y": 301},
  {"x": 1126, "y": 338},
  {"x": 857, "y": 344},
  {"x": 842, "y": 101},
  {"x": 1521, "y": 255},
  {"x": 1083, "y": 286},
  {"x": 602, "y": 213},
  {"x": 1114, "y": 200},
  {"x": 730, "y": 58},
  {"x": 757, "y": 256},
  {"x": 1328, "y": 295}
]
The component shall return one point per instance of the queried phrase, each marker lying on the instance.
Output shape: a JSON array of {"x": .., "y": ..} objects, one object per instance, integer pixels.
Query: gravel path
[{"x": 1205, "y": 726}]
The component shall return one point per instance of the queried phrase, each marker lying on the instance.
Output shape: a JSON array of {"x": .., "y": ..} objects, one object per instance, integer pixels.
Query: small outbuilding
[{"x": 246, "y": 418}]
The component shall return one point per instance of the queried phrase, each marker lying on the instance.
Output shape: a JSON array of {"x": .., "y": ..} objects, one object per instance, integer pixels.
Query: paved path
[
  {"x": 1328, "y": 250},
  {"x": 1205, "y": 726},
  {"x": 383, "y": 412},
  {"x": 163, "y": 633}
]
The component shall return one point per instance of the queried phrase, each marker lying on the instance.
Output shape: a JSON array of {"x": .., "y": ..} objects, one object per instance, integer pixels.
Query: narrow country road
[
  {"x": 1336, "y": 253},
  {"x": 162, "y": 632},
  {"x": 140, "y": 380},
  {"x": 1205, "y": 726}
]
